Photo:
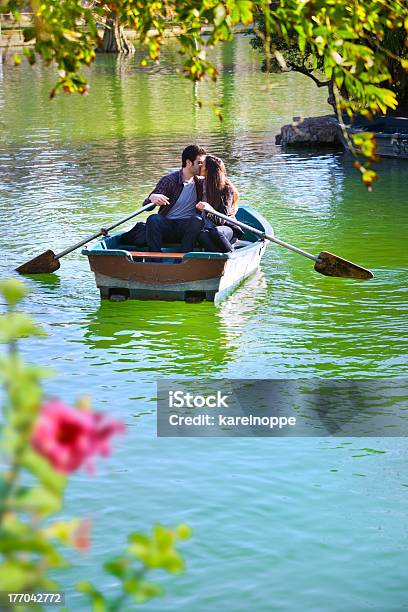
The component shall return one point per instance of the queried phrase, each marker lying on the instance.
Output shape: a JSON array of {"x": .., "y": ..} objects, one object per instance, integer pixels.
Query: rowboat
[
  {"x": 391, "y": 134},
  {"x": 124, "y": 271}
]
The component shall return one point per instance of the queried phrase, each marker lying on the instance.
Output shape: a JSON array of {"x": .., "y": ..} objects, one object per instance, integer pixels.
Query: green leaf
[
  {"x": 18, "y": 538},
  {"x": 336, "y": 57},
  {"x": 219, "y": 14},
  {"x": 40, "y": 467},
  {"x": 24, "y": 394},
  {"x": 71, "y": 35},
  {"x": 302, "y": 43},
  {"x": 183, "y": 531},
  {"x": 172, "y": 562},
  {"x": 117, "y": 567},
  {"x": 368, "y": 177},
  {"x": 163, "y": 537},
  {"x": 328, "y": 66},
  {"x": 142, "y": 590},
  {"x": 242, "y": 12},
  {"x": 29, "y": 54},
  {"x": 17, "y": 325},
  {"x": 12, "y": 289},
  {"x": 139, "y": 547},
  {"x": 4, "y": 485},
  {"x": 29, "y": 34},
  {"x": 17, "y": 575},
  {"x": 99, "y": 603},
  {"x": 37, "y": 499}
]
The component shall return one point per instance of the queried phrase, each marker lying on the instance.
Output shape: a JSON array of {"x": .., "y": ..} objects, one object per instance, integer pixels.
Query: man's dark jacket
[{"x": 171, "y": 186}]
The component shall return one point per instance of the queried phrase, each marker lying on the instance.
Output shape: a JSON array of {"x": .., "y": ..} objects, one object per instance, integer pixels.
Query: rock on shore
[{"x": 311, "y": 131}]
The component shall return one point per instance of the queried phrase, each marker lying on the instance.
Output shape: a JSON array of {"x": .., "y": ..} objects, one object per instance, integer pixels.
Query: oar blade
[
  {"x": 42, "y": 264},
  {"x": 333, "y": 265}
]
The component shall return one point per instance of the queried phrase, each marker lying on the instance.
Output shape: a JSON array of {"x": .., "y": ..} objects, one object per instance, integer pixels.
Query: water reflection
[
  {"x": 244, "y": 304},
  {"x": 173, "y": 338},
  {"x": 45, "y": 282}
]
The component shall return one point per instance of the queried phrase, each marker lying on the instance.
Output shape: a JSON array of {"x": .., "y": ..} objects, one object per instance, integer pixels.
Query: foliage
[
  {"x": 284, "y": 54},
  {"x": 360, "y": 52},
  {"x": 354, "y": 43},
  {"x": 143, "y": 553},
  {"x": 41, "y": 443},
  {"x": 67, "y": 32},
  {"x": 346, "y": 39}
]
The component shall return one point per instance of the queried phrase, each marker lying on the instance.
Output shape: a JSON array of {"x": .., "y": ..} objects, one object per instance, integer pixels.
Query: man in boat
[{"x": 177, "y": 195}]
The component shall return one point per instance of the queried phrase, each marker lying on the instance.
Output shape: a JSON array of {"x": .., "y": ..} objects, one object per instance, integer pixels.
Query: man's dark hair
[{"x": 191, "y": 152}]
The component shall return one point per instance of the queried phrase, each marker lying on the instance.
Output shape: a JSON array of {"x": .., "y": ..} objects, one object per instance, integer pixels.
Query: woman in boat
[{"x": 222, "y": 195}]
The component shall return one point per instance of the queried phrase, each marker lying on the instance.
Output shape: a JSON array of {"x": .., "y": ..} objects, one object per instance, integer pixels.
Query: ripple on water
[{"x": 275, "y": 522}]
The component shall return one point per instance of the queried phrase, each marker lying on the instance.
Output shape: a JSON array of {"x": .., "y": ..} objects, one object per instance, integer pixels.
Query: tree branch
[{"x": 309, "y": 74}]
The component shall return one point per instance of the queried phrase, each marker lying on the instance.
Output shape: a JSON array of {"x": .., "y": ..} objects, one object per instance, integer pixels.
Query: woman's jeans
[{"x": 216, "y": 239}]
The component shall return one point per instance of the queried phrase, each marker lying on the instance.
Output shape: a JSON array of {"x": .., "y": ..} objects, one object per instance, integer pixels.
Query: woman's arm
[
  {"x": 229, "y": 201},
  {"x": 236, "y": 198},
  {"x": 228, "y": 205}
]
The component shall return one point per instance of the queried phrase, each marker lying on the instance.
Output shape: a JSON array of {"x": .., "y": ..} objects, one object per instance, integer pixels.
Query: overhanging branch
[{"x": 310, "y": 75}]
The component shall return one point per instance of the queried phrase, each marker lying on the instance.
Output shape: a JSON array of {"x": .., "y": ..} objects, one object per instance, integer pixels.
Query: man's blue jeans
[{"x": 159, "y": 229}]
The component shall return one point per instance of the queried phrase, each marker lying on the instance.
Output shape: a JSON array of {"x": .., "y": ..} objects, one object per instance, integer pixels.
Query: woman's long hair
[{"x": 216, "y": 181}]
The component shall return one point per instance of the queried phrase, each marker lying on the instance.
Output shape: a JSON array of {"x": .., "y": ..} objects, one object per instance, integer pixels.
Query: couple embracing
[{"x": 181, "y": 197}]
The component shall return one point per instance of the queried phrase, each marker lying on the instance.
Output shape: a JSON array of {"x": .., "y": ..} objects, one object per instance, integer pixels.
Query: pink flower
[
  {"x": 81, "y": 537},
  {"x": 69, "y": 437}
]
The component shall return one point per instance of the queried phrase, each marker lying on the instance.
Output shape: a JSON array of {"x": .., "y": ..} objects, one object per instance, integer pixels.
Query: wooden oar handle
[
  {"x": 326, "y": 263},
  {"x": 263, "y": 235},
  {"x": 103, "y": 231}
]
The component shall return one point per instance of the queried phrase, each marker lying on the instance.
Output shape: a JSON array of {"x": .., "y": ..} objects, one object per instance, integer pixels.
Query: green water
[{"x": 279, "y": 524}]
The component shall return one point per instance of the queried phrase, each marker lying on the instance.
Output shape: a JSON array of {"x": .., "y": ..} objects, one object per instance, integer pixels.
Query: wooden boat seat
[{"x": 143, "y": 254}]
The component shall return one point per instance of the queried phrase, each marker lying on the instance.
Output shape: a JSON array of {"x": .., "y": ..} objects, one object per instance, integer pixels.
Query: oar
[
  {"x": 49, "y": 262},
  {"x": 325, "y": 263}
]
